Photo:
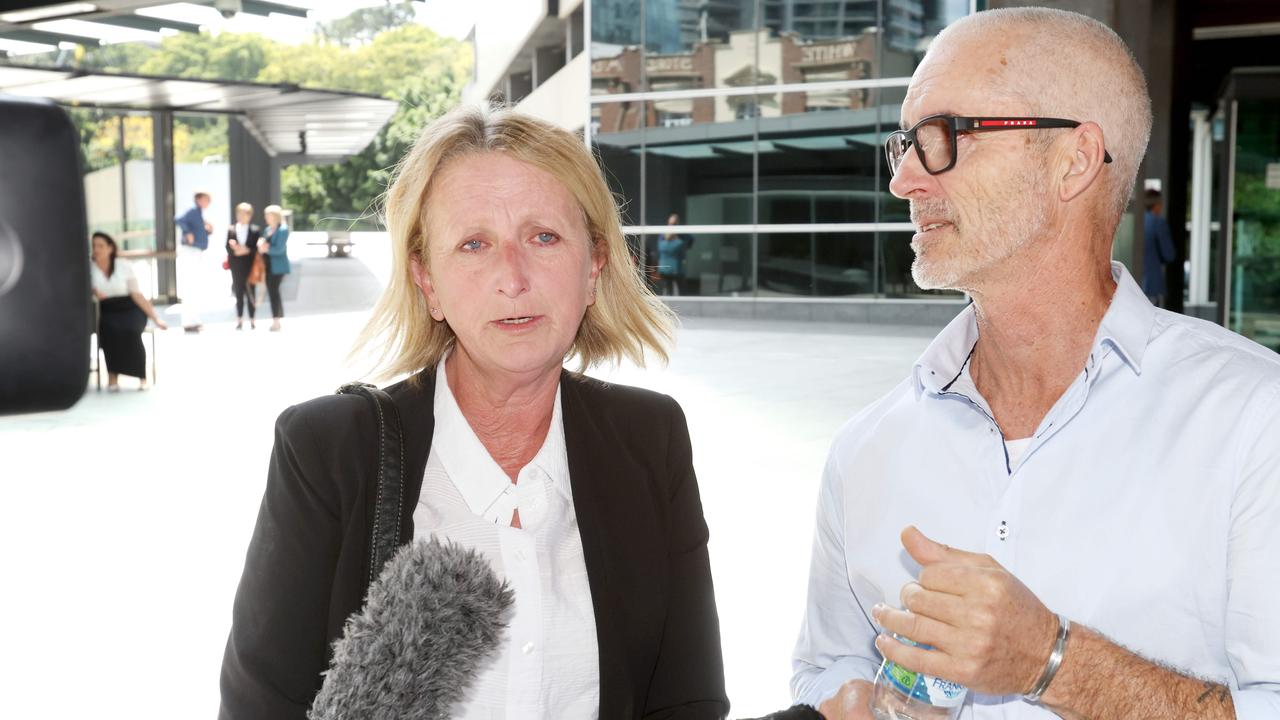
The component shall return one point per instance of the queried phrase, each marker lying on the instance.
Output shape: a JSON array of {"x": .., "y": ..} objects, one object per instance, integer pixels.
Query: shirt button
[
  {"x": 1002, "y": 532},
  {"x": 528, "y": 648},
  {"x": 520, "y": 555}
]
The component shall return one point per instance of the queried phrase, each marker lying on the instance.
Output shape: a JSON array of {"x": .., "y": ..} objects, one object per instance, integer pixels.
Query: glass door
[{"x": 1254, "y": 281}]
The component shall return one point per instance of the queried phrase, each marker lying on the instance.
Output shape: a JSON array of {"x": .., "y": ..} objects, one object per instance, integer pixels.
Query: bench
[{"x": 339, "y": 243}]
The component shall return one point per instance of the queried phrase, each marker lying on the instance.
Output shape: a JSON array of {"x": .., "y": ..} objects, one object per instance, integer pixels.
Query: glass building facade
[{"x": 751, "y": 130}]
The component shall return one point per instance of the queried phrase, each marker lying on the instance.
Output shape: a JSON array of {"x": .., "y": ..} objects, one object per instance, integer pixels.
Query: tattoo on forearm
[{"x": 1213, "y": 689}]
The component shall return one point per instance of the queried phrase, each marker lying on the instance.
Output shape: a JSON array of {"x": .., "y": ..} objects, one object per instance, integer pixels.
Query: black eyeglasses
[{"x": 934, "y": 138}]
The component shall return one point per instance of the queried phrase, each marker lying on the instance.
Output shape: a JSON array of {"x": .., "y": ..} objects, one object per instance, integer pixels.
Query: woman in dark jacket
[
  {"x": 509, "y": 259},
  {"x": 242, "y": 248}
]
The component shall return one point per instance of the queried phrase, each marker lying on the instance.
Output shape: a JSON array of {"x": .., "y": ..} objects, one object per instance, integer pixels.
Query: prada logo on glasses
[{"x": 934, "y": 138}]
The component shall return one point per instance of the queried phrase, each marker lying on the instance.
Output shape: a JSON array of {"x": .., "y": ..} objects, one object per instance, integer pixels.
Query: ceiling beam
[
  {"x": 262, "y": 7},
  {"x": 48, "y": 38},
  {"x": 137, "y": 22}
]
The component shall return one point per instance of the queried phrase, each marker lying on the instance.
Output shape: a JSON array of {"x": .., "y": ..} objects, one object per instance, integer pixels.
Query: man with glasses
[{"x": 1075, "y": 497}]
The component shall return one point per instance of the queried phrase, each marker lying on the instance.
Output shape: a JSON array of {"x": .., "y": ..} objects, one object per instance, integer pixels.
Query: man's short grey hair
[{"x": 1068, "y": 65}]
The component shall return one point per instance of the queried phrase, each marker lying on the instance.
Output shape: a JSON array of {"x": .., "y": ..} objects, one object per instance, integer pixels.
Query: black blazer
[
  {"x": 241, "y": 264},
  {"x": 639, "y": 516}
]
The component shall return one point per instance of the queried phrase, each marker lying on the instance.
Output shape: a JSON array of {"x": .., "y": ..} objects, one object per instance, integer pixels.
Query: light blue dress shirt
[{"x": 1146, "y": 505}]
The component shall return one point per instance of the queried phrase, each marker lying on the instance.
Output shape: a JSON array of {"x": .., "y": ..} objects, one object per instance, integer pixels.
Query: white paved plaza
[{"x": 125, "y": 519}]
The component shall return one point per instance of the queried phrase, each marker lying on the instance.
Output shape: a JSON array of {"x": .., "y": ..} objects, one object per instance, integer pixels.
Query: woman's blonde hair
[{"x": 626, "y": 319}]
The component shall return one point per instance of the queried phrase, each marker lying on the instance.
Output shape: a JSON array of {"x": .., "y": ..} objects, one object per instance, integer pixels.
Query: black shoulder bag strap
[{"x": 384, "y": 538}]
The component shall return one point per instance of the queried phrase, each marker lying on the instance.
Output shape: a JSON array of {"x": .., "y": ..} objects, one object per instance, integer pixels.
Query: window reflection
[
  {"x": 817, "y": 264},
  {"x": 896, "y": 257},
  {"x": 762, "y": 111},
  {"x": 704, "y": 264}
]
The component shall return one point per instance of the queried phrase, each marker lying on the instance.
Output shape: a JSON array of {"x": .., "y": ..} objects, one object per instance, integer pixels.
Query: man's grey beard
[{"x": 1000, "y": 232}]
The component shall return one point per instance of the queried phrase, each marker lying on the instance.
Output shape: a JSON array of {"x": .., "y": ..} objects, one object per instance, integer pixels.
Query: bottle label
[{"x": 926, "y": 688}]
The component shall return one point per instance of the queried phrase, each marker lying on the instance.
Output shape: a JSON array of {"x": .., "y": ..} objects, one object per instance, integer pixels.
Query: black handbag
[{"x": 384, "y": 536}]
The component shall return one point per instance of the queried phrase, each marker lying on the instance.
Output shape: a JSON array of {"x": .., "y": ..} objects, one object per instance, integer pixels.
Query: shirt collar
[
  {"x": 1127, "y": 325},
  {"x": 479, "y": 479},
  {"x": 1125, "y": 328},
  {"x": 553, "y": 456},
  {"x": 945, "y": 357}
]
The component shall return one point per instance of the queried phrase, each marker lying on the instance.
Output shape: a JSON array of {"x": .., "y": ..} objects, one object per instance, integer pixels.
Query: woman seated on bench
[{"x": 122, "y": 314}]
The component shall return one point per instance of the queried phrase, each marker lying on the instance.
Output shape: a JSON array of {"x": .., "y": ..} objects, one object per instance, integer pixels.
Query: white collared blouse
[{"x": 548, "y": 666}]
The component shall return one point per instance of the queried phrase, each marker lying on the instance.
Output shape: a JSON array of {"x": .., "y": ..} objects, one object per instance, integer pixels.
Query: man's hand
[
  {"x": 989, "y": 631},
  {"x": 853, "y": 702},
  {"x": 189, "y": 239},
  {"x": 208, "y": 227}
]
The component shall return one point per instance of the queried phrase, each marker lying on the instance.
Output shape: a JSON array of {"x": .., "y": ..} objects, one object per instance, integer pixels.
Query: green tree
[
  {"x": 227, "y": 56},
  {"x": 422, "y": 70},
  {"x": 196, "y": 137},
  {"x": 365, "y": 24},
  {"x": 376, "y": 50},
  {"x": 116, "y": 58}
]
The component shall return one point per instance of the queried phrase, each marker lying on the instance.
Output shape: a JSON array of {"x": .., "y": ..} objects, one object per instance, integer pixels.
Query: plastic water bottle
[{"x": 901, "y": 694}]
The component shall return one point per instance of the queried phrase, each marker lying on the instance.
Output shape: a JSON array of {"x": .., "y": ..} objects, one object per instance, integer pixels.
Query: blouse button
[
  {"x": 1002, "y": 532},
  {"x": 528, "y": 648}
]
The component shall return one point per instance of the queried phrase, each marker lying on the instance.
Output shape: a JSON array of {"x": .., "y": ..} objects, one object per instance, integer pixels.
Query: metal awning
[{"x": 286, "y": 119}]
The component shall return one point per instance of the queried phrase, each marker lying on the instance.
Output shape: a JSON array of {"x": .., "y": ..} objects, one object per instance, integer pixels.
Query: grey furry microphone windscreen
[{"x": 430, "y": 620}]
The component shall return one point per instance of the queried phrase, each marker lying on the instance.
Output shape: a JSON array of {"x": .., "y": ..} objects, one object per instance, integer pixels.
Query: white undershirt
[
  {"x": 1016, "y": 449},
  {"x": 549, "y": 664},
  {"x": 242, "y": 233}
]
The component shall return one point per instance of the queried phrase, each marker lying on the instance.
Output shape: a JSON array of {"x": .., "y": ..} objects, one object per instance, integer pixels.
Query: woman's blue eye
[
  {"x": 471, "y": 245},
  {"x": 547, "y": 238}
]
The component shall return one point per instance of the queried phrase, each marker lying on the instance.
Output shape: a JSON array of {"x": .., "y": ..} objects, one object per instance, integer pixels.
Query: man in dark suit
[{"x": 1157, "y": 249}]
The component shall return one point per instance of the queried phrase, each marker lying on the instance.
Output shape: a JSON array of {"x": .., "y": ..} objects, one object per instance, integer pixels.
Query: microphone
[{"x": 433, "y": 617}]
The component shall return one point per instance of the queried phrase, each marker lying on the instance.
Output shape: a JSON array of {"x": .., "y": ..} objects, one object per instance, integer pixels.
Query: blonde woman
[
  {"x": 274, "y": 247},
  {"x": 509, "y": 260},
  {"x": 242, "y": 249}
]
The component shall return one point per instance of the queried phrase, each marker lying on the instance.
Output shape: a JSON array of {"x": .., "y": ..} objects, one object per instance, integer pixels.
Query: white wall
[
  {"x": 102, "y": 192},
  {"x": 102, "y": 195},
  {"x": 560, "y": 99},
  {"x": 502, "y": 28}
]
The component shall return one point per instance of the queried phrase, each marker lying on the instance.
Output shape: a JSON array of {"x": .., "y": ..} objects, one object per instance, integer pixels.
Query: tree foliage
[
  {"x": 365, "y": 24},
  {"x": 377, "y": 50},
  {"x": 421, "y": 70}
]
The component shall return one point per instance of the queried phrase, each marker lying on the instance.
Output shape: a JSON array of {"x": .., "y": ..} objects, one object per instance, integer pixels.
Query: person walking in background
[
  {"x": 1157, "y": 249},
  {"x": 242, "y": 248},
  {"x": 192, "y": 271},
  {"x": 672, "y": 248},
  {"x": 122, "y": 314},
  {"x": 273, "y": 248}
]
